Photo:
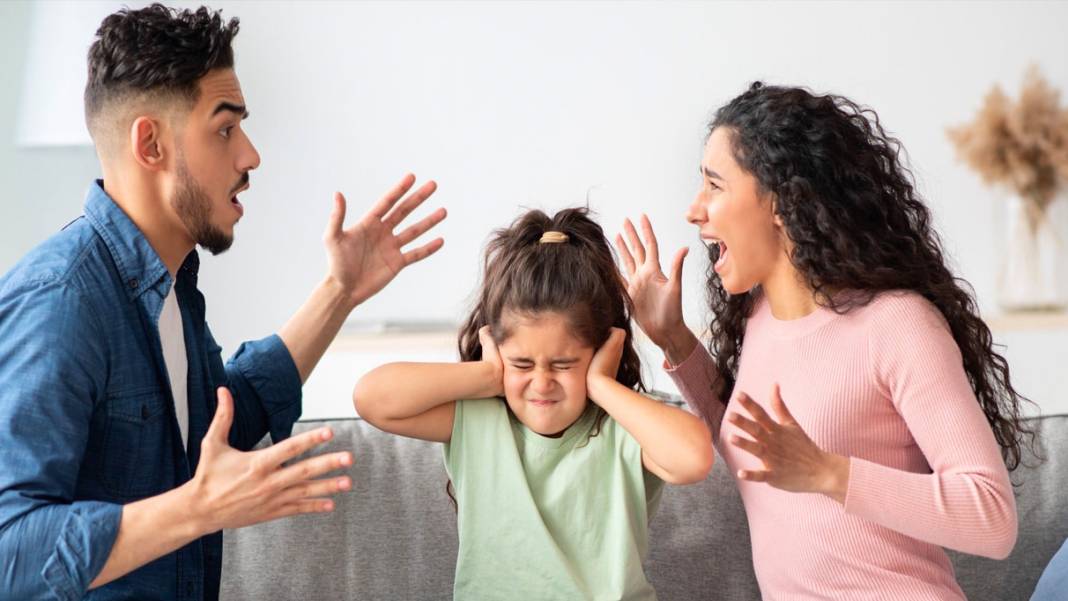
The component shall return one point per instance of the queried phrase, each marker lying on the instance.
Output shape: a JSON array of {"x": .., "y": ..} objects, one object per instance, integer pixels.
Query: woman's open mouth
[
  {"x": 722, "y": 256},
  {"x": 719, "y": 252}
]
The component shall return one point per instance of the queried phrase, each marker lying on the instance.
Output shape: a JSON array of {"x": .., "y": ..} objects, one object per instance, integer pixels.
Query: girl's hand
[
  {"x": 792, "y": 462},
  {"x": 605, "y": 362},
  {"x": 657, "y": 298},
  {"x": 492, "y": 358}
]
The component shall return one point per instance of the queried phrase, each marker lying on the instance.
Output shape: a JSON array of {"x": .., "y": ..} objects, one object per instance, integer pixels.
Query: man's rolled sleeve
[
  {"x": 51, "y": 370},
  {"x": 86, "y": 537},
  {"x": 266, "y": 387}
]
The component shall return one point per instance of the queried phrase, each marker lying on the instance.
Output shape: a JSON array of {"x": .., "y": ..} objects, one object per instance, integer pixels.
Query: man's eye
[
  {"x": 562, "y": 367},
  {"x": 522, "y": 366},
  {"x": 225, "y": 132}
]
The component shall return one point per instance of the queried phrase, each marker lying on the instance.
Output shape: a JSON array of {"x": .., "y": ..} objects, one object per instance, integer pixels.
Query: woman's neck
[{"x": 788, "y": 294}]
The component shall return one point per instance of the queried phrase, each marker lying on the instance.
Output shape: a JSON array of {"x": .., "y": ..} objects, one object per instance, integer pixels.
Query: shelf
[
  {"x": 364, "y": 337},
  {"x": 1037, "y": 320}
]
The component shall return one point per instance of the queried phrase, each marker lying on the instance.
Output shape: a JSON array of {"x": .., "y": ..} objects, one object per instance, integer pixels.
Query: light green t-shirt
[{"x": 548, "y": 518}]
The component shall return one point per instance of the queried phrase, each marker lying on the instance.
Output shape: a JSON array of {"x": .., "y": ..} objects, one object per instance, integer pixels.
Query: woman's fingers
[
  {"x": 757, "y": 412},
  {"x": 624, "y": 253},
  {"x": 785, "y": 417},
  {"x": 676, "y": 264},
  {"x": 752, "y": 447},
  {"x": 650, "y": 240},
  {"x": 635, "y": 243},
  {"x": 749, "y": 426},
  {"x": 754, "y": 475}
]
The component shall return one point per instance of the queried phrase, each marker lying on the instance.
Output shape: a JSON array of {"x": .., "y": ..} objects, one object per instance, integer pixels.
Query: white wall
[{"x": 547, "y": 105}]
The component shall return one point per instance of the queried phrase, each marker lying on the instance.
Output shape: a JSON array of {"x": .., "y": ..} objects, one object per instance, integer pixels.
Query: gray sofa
[{"x": 393, "y": 537}]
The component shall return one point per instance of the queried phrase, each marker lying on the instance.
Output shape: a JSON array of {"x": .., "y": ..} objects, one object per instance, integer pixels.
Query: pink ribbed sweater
[{"x": 883, "y": 385}]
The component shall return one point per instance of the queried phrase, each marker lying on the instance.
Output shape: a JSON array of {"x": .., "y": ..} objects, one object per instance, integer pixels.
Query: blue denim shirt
[
  {"x": 1053, "y": 585},
  {"x": 87, "y": 420}
]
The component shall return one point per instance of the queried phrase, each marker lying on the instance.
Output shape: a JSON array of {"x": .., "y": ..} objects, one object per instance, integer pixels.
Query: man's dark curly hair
[
  {"x": 155, "y": 51},
  {"x": 849, "y": 205}
]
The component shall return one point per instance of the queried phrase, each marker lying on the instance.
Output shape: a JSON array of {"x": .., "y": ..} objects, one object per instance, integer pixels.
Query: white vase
[{"x": 1033, "y": 259}]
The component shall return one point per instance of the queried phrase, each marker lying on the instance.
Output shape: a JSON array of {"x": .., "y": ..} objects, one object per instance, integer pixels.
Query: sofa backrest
[{"x": 394, "y": 535}]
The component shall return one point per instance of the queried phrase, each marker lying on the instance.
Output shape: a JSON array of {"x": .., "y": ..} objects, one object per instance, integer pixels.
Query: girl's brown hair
[{"x": 577, "y": 278}]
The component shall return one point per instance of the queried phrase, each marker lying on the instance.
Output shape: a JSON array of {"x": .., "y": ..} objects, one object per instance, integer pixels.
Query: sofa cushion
[
  {"x": 394, "y": 535},
  {"x": 1042, "y": 507}
]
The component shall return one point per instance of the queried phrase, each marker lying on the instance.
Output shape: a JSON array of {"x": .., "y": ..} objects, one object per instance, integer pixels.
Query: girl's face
[
  {"x": 544, "y": 371},
  {"x": 730, "y": 211}
]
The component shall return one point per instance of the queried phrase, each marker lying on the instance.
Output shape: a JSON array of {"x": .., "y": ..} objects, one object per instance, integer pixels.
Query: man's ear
[{"x": 147, "y": 144}]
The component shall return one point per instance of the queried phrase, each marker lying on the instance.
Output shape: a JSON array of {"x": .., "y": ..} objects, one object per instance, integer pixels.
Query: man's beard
[{"x": 194, "y": 209}]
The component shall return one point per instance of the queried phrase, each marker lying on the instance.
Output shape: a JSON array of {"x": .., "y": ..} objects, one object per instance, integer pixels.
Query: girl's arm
[
  {"x": 676, "y": 445},
  {"x": 418, "y": 400}
]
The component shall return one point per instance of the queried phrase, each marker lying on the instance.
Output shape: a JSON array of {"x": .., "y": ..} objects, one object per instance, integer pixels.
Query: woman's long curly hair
[
  {"x": 849, "y": 205},
  {"x": 577, "y": 278}
]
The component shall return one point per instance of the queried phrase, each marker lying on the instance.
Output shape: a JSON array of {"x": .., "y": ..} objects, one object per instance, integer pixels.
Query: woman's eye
[{"x": 712, "y": 185}]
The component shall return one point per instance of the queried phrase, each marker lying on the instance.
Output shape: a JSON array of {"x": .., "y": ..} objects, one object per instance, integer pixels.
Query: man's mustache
[{"x": 241, "y": 183}]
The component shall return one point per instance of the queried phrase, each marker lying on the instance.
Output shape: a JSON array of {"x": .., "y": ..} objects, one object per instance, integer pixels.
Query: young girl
[
  {"x": 851, "y": 386},
  {"x": 556, "y": 459}
]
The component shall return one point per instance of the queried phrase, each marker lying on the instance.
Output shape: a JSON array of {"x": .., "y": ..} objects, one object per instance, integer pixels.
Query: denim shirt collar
[{"x": 138, "y": 263}]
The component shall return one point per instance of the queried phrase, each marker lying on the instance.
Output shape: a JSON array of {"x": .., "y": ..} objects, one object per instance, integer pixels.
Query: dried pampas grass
[{"x": 1022, "y": 145}]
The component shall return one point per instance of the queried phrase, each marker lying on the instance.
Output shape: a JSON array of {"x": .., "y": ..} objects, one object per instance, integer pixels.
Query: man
[
  {"x": 1053, "y": 585},
  {"x": 124, "y": 440}
]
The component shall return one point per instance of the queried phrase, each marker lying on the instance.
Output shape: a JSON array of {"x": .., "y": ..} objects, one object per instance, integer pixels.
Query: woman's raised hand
[{"x": 657, "y": 298}]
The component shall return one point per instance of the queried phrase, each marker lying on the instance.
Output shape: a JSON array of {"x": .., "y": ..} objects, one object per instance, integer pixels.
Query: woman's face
[
  {"x": 729, "y": 210},
  {"x": 544, "y": 371}
]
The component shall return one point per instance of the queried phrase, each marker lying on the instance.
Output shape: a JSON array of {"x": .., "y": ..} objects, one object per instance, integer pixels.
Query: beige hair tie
[{"x": 553, "y": 238}]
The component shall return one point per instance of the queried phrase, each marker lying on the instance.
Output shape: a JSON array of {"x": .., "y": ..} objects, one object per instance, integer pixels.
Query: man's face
[{"x": 213, "y": 159}]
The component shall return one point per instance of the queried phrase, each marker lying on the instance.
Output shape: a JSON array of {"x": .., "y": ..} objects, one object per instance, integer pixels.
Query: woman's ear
[{"x": 775, "y": 217}]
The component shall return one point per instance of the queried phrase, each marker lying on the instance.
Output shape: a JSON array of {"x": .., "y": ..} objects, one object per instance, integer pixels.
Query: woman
[{"x": 845, "y": 358}]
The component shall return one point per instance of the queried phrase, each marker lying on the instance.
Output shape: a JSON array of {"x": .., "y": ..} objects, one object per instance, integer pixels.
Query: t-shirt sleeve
[
  {"x": 631, "y": 453},
  {"x": 451, "y": 449}
]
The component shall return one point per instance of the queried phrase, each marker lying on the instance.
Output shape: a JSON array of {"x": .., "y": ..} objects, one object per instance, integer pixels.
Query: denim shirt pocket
[{"x": 136, "y": 444}]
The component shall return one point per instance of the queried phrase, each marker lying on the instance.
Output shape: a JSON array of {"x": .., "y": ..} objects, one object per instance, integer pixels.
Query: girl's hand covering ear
[{"x": 492, "y": 358}]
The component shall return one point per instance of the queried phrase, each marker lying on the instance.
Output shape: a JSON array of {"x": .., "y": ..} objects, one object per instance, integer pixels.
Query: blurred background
[{"x": 548, "y": 105}]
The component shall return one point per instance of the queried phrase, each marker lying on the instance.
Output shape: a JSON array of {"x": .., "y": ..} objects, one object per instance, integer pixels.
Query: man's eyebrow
[
  {"x": 238, "y": 109},
  {"x": 709, "y": 173}
]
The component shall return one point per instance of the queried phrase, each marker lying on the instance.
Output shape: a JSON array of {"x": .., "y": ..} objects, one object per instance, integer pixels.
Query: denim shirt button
[{"x": 133, "y": 283}]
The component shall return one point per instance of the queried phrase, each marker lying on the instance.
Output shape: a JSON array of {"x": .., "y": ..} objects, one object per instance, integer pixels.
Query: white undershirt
[{"x": 172, "y": 338}]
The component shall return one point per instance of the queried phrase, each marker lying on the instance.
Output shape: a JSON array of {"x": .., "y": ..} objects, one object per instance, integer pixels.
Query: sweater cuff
[{"x": 864, "y": 496}]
